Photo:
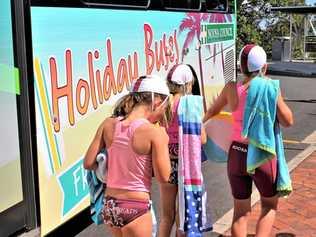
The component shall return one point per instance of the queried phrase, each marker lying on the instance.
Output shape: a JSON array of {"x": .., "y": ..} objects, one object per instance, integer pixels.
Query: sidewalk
[
  {"x": 296, "y": 215},
  {"x": 294, "y": 69}
]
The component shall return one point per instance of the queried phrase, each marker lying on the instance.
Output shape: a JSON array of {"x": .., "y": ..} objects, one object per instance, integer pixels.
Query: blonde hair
[
  {"x": 128, "y": 102},
  {"x": 176, "y": 88}
]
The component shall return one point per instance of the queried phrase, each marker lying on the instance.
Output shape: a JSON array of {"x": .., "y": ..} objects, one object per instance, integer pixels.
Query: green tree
[{"x": 257, "y": 24}]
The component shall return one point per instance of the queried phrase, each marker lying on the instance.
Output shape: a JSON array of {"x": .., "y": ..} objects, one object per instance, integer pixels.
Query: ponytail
[
  {"x": 128, "y": 102},
  {"x": 124, "y": 106}
]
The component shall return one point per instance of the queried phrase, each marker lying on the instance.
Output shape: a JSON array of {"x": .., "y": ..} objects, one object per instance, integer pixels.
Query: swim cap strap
[{"x": 244, "y": 57}]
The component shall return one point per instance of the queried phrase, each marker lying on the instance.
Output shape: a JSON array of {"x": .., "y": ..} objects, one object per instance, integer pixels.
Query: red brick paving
[{"x": 296, "y": 215}]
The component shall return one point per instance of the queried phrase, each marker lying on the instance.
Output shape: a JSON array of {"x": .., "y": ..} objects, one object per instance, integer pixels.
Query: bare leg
[
  {"x": 179, "y": 233},
  {"x": 116, "y": 232},
  {"x": 140, "y": 227},
  {"x": 267, "y": 217},
  {"x": 168, "y": 194},
  {"x": 242, "y": 210}
]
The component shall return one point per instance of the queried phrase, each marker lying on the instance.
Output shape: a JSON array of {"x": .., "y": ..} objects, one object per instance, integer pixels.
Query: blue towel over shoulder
[{"x": 262, "y": 129}]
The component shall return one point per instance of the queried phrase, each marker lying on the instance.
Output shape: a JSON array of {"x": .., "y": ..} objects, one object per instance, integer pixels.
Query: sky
[{"x": 310, "y": 2}]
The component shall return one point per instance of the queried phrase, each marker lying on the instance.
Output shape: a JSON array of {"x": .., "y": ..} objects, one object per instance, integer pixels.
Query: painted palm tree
[
  {"x": 219, "y": 18},
  {"x": 192, "y": 24}
]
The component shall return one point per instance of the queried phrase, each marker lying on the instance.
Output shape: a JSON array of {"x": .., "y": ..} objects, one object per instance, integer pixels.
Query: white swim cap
[
  {"x": 252, "y": 58},
  {"x": 180, "y": 74},
  {"x": 150, "y": 83}
]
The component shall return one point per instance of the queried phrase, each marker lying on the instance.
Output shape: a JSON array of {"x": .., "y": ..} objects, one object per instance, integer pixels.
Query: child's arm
[
  {"x": 160, "y": 154},
  {"x": 284, "y": 113},
  {"x": 203, "y": 135},
  {"x": 96, "y": 145},
  {"x": 228, "y": 96}
]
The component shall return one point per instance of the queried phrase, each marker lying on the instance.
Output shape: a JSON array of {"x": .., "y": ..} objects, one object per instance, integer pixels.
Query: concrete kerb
[
  {"x": 291, "y": 73},
  {"x": 33, "y": 233},
  {"x": 224, "y": 223},
  {"x": 286, "y": 71}
]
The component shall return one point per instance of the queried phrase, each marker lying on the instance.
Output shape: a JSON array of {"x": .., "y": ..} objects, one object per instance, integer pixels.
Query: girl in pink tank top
[
  {"x": 136, "y": 147},
  {"x": 238, "y": 114},
  {"x": 134, "y": 173}
]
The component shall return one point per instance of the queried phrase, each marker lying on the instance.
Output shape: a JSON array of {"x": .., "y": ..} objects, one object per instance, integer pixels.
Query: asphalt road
[{"x": 300, "y": 94}]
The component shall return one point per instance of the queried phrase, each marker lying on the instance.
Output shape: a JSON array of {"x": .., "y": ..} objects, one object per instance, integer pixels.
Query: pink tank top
[
  {"x": 173, "y": 128},
  {"x": 126, "y": 169},
  {"x": 238, "y": 115}
]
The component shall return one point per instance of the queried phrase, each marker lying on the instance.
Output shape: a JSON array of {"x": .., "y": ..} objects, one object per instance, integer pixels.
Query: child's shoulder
[
  {"x": 109, "y": 122},
  {"x": 231, "y": 86}
]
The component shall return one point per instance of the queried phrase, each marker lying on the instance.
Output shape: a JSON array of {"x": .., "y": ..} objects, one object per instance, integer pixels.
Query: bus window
[
  {"x": 137, "y": 3},
  {"x": 217, "y": 5},
  {"x": 182, "y": 4}
]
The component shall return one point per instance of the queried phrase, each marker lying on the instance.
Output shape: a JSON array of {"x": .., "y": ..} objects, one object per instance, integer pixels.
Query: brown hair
[{"x": 251, "y": 74}]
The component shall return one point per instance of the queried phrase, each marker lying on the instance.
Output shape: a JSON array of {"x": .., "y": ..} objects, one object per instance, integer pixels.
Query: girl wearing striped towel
[{"x": 180, "y": 80}]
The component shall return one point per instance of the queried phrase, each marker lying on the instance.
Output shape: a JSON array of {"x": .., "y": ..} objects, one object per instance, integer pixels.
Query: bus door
[{"x": 17, "y": 203}]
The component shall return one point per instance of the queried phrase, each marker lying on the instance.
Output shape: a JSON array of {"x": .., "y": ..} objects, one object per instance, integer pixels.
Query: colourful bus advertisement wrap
[{"x": 85, "y": 60}]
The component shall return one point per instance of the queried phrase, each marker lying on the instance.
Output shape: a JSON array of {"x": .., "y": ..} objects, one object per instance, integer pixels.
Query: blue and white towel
[{"x": 96, "y": 188}]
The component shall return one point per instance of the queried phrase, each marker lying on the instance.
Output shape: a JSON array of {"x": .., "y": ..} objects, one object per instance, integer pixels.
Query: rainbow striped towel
[{"x": 192, "y": 195}]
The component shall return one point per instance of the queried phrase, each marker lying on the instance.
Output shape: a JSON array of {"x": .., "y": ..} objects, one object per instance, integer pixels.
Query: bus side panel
[{"x": 84, "y": 61}]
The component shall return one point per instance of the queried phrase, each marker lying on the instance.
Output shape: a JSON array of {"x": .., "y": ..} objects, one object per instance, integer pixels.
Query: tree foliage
[{"x": 257, "y": 24}]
